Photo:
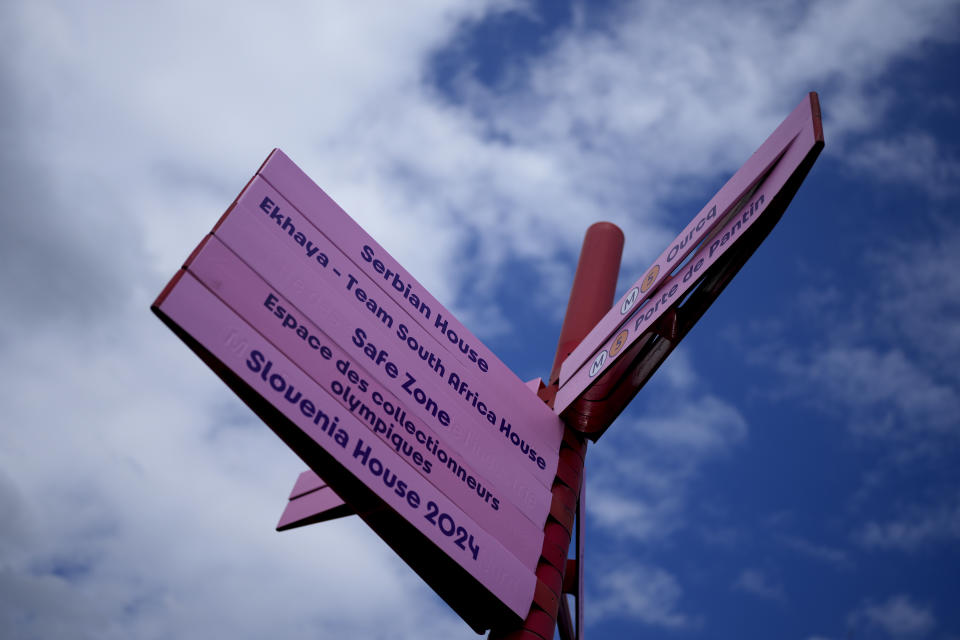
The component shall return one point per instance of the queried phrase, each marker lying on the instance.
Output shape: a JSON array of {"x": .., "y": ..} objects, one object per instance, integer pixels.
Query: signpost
[
  {"x": 406, "y": 419},
  {"x": 373, "y": 382}
]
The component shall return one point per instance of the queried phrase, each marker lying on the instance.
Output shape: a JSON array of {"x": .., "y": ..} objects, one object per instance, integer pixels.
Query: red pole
[
  {"x": 591, "y": 296},
  {"x": 594, "y": 286}
]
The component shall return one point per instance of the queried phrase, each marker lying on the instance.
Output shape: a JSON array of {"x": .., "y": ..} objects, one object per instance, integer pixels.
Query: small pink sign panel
[
  {"x": 306, "y": 482},
  {"x": 782, "y": 152},
  {"x": 240, "y": 349},
  {"x": 348, "y": 382},
  {"x": 324, "y": 286},
  {"x": 717, "y": 228},
  {"x": 539, "y": 423},
  {"x": 320, "y": 505}
]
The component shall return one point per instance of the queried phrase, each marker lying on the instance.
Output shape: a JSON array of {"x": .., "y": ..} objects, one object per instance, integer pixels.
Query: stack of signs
[
  {"x": 600, "y": 377},
  {"x": 404, "y": 413}
]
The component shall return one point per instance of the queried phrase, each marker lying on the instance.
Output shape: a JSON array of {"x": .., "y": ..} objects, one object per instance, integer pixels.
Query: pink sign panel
[
  {"x": 793, "y": 135},
  {"x": 237, "y": 347},
  {"x": 315, "y": 506},
  {"x": 738, "y": 205},
  {"x": 306, "y": 482},
  {"x": 347, "y": 380},
  {"x": 299, "y": 262},
  {"x": 489, "y": 377}
]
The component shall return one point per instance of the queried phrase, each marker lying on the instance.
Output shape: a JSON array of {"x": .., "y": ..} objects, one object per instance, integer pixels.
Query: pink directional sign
[
  {"x": 311, "y": 507},
  {"x": 416, "y": 426},
  {"x": 726, "y": 202},
  {"x": 326, "y": 435},
  {"x": 719, "y": 227}
]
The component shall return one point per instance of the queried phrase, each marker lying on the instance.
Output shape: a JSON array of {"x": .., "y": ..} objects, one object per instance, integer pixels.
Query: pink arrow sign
[
  {"x": 727, "y": 201},
  {"x": 743, "y": 200},
  {"x": 323, "y": 434}
]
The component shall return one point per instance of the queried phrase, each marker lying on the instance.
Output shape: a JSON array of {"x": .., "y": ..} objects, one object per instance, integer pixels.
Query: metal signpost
[{"x": 406, "y": 419}]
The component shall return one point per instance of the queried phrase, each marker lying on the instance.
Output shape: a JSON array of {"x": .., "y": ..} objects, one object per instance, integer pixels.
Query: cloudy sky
[{"x": 791, "y": 472}]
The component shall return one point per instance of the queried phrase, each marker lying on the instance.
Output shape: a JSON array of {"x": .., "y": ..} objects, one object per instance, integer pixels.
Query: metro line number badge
[
  {"x": 630, "y": 300},
  {"x": 650, "y": 278},
  {"x": 634, "y": 294},
  {"x": 598, "y": 363},
  {"x": 619, "y": 342},
  {"x": 601, "y": 359}
]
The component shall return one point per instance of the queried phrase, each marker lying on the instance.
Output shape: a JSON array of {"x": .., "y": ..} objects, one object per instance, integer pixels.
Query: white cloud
[
  {"x": 758, "y": 583},
  {"x": 912, "y": 158},
  {"x": 698, "y": 429},
  {"x": 638, "y": 592},
  {"x": 831, "y": 555},
  {"x": 898, "y": 617},
  {"x": 915, "y": 527},
  {"x": 918, "y": 294},
  {"x": 678, "y": 370},
  {"x": 887, "y": 368},
  {"x": 888, "y": 364},
  {"x": 642, "y": 468},
  {"x": 162, "y": 105},
  {"x": 635, "y": 516},
  {"x": 886, "y": 390},
  {"x": 632, "y": 109}
]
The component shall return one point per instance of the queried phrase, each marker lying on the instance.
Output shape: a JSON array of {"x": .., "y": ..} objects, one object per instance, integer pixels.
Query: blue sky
[{"x": 790, "y": 472}]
